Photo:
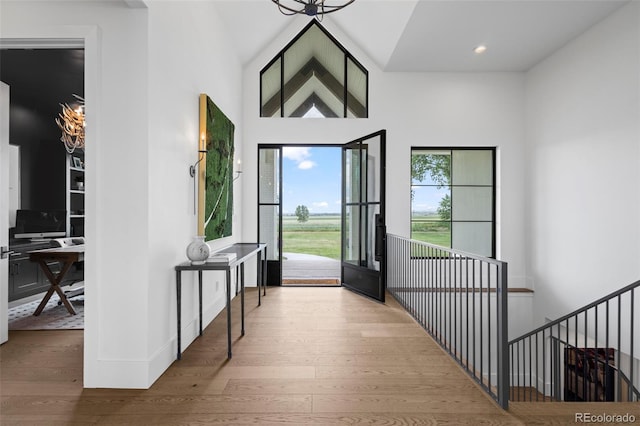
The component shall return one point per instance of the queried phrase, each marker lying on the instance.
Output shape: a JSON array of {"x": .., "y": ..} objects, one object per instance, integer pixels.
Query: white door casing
[{"x": 4, "y": 210}]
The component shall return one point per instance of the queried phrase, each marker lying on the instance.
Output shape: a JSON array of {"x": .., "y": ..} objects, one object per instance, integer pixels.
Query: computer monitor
[{"x": 41, "y": 224}]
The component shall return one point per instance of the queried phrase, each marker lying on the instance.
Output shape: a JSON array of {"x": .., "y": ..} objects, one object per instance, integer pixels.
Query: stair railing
[
  {"x": 461, "y": 301},
  {"x": 587, "y": 355}
]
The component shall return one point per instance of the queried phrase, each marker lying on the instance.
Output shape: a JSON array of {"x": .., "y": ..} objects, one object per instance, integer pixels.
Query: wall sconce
[
  {"x": 193, "y": 168},
  {"x": 238, "y": 172},
  {"x": 201, "y": 151},
  {"x": 71, "y": 122},
  {"x": 192, "y": 171}
]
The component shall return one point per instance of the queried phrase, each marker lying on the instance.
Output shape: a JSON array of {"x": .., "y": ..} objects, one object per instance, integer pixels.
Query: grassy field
[
  {"x": 427, "y": 228},
  {"x": 320, "y": 235}
]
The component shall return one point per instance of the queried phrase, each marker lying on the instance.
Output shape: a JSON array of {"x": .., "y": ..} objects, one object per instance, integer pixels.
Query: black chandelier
[{"x": 316, "y": 8}]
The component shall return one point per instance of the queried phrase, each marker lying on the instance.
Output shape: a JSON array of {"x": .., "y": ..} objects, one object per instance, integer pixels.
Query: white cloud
[
  {"x": 321, "y": 205},
  {"x": 295, "y": 153},
  {"x": 306, "y": 165},
  {"x": 300, "y": 156}
]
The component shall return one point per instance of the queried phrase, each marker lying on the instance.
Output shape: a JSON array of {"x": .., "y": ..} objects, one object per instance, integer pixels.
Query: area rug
[{"x": 53, "y": 317}]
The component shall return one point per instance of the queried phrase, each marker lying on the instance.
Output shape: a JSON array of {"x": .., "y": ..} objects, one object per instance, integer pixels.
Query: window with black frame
[
  {"x": 453, "y": 198},
  {"x": 314, "y": 76}
]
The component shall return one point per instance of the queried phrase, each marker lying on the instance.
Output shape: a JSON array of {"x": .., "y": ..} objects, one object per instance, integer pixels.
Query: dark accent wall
[{"x": 39, "y": 80}]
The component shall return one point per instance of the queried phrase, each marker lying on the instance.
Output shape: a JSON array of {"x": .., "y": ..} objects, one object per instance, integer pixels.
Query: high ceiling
[{"x": 433, "y": 35}]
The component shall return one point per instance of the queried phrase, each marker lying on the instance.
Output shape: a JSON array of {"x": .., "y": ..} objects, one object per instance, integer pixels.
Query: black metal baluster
[
  {"x": 536, "y": 370},
  {"x": 607, "y": 367},
  {"x": 597, "y": 360},
  {"x": 631, "y": 344},
  {"x": 473, "y": 283},
  {"x": 511, "y": 363},
  {"x": 587, "y": 389},
  {"x": 618, "y": 364},
  {"x": 518, "y": 361},
  {"x": 481, "y": 328},
  {"x": 466, "y": 261}
]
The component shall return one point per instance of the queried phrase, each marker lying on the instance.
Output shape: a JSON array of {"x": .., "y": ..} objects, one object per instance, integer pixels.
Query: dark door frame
[
  {"x": 274, "y": 267},
  {"x": 354, "y": 272}
]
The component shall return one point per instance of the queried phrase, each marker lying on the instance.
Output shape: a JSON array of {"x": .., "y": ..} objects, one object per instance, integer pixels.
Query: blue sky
[
  {"x": 312, "y": 177},
  {"x": 426, "y": 199}
]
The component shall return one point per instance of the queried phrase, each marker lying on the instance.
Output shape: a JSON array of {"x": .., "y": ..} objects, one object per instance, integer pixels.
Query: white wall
[
  {"x": 116, "y": 275},
  {"x": 417, "y": 109},
  {"x": 185, "y": 60},
  {"x": 144, "y": 70},
  {"x": 583, "y": 156}
]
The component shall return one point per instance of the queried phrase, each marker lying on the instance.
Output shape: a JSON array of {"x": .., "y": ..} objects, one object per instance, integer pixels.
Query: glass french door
[
  {"x": 270, "y": 208},
  {"x": 363, "y": 206},
  {"x": 363, "y": 221}
]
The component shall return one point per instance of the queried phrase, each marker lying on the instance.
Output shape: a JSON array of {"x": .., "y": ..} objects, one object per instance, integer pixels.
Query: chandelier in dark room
[{"x": 315, "y": 8}]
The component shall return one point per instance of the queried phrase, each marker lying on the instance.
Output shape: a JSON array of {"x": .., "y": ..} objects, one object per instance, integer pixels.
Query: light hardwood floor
[{"x": 310, "y": 356}]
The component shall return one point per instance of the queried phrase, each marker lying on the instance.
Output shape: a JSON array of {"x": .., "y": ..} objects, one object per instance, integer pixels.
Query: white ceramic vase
[{"x": 198, "y": 251}]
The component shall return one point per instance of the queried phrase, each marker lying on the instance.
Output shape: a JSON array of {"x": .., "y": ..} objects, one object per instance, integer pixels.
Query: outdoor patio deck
[{"x": 308, "y": 269}]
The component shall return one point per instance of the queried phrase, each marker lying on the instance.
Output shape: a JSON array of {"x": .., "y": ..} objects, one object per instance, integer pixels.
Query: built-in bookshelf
[
  {"x": 75, "y": 194},
  {"x": 589, "y": 374}
]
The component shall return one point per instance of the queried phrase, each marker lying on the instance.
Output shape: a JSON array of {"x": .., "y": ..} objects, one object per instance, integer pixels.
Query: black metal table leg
[
  {"x": 200, "y": 298},
  {"x": 242, "y": 296},
  {"x": 228, "y": 273},
  {"x": 264, "y": 271},
  {"x": 236, "y": 268},
  {"x": 259, "y": 277},
  {"x": 178, "y": 297}
]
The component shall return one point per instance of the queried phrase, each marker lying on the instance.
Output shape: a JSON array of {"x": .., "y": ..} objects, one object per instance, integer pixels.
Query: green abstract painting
[{"x": 215, "y": 201}]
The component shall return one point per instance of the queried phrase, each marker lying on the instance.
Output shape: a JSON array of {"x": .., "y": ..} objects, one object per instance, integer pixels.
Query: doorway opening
[
  {"x": 362, "y": 212},
  {"x": 311, "y": 215},
  {"x": 46, "y": 206}
]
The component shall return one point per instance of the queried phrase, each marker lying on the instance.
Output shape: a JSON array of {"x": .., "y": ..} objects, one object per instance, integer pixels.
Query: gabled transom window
[{"x": 314, "y": 76}]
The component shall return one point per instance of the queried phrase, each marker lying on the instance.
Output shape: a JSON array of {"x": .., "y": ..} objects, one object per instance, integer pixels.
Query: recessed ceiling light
[{"x": 480, "y": 49}]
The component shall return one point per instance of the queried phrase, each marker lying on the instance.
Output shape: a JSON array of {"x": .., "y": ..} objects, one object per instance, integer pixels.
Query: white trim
[
  {"x": 53, "y": 43},
  {"x": 5, "y": 95},
  {"x": 87, "y": 37},
  {"x": 136, "y": 4}
]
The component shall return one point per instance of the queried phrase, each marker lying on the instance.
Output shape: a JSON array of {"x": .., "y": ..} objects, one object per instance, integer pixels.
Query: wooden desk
[
  {"x": 65, "y": 255},
  {"x": 243, "y": 252}
]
